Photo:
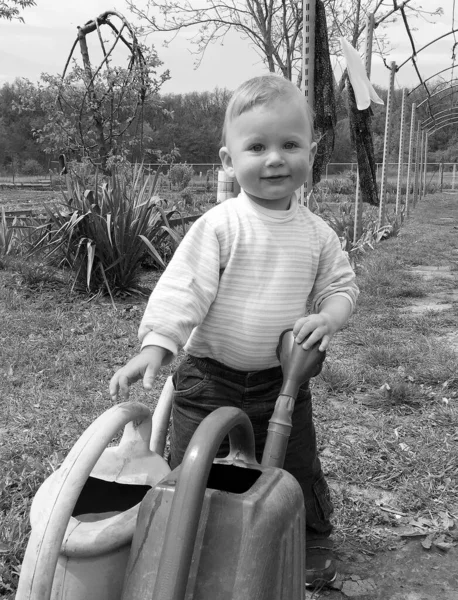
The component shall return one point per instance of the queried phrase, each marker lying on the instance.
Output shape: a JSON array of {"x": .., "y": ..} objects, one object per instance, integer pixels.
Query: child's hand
[
  {"x": 145, "y": 365},
  {"x": 317, "y": 326},
  {"x": 334, "y": 313}
]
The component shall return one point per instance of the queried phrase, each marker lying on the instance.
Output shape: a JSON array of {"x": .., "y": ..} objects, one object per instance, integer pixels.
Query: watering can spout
[{"x": 298, "y": 366}]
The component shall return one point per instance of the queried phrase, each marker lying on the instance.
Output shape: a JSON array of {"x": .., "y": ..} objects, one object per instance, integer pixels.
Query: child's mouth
[{"x": 275, "y": 178}]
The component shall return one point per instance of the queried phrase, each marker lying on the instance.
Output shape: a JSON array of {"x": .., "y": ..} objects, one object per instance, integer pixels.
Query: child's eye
[
  {"x": 257, "y": 148},
  {"x": 290, "y": 145}
]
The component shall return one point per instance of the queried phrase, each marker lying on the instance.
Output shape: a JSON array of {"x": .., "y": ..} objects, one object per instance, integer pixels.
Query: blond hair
[{"x": 260, "y": 91}]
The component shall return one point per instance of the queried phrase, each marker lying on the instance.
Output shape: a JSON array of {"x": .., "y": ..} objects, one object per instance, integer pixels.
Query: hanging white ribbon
[{"x": 364, "y": 92}]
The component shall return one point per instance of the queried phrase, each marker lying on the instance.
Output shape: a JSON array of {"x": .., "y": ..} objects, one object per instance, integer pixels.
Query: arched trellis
[
  {"x": 438, "y": 122},
  {"x": 112, "y": 106},
  {"x": 439, "y": 115},
  {"x": 452, "y": 121},
  {"x": 450, "y": 88},
  {"x": 420, "y": 130},
  {"x": 429, "y": 79}
]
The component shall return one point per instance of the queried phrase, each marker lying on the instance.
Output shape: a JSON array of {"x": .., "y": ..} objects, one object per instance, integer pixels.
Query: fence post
[
  {"x": 417, "y": 163},
  {"x": 409, "y": 165},
  {"x": 308, "y": 74},
  {"x": 453, "y": 176},
  {"x": 425, "y": 163},
  {"x": 386, "y": 146},
  {"x": 441, "y": 176},
  {"x": 401, "y": 153}
]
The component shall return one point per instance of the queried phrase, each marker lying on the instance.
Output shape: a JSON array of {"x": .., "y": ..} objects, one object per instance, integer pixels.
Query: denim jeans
[{"x": 202, "y": 385}]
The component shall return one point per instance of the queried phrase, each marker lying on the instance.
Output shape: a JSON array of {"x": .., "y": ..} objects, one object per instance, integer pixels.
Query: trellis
[{"x": 424, "y": 119}]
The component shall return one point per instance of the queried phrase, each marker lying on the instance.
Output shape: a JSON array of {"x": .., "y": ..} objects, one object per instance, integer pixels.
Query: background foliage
[{"x": 190, "y": 123}]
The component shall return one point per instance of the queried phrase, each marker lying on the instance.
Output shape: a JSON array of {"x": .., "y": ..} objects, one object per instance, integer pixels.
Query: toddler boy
[{"x": 240, "y": 277}]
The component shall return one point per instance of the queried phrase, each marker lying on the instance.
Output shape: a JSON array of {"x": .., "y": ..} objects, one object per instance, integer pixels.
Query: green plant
[
  {"x": 180, "y": 175},
  {"x": 32, "y": 167},
  {"x": 102, "y": 235},
  {"x": 7, "y": 237},
  {"x": 187, "y": 195},
  {"x": 339, "y": 185}
]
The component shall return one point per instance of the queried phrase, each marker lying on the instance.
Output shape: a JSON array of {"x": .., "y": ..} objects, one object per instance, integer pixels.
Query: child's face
[{"x": 270, "y": 152}]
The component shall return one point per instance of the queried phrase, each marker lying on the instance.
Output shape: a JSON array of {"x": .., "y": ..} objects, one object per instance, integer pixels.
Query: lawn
[{"x": 386, "y": 403}]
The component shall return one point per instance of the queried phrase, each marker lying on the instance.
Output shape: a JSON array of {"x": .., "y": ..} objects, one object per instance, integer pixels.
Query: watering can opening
[
  {"x": 99, "y": 498},
  {"x": 230, "y": 478}
]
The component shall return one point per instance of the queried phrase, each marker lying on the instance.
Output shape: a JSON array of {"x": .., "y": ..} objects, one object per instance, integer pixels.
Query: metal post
[
  {"x": 425, "y": 163},
  {"x": 370, "y": 21},
  {"x": 308, "y": 72},
  {"x": 409, "y": 165},
  {"x": 417, "y": 163},
  {"x": 386, "y": 146},
  {"x": 441, "y": 176},
  {"x": 420, "y": 166},
  {"x": 358, "y": 225},
  {"x": 453, "y": 176},
  {"x": 401, "y": 153}
]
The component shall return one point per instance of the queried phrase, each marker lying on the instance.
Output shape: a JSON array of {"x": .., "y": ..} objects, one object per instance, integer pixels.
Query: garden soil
[{"x": 412, "y": 568}]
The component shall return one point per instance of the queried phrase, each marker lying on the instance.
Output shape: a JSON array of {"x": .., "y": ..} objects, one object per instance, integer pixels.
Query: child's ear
[{"x": 226, "y": 161}]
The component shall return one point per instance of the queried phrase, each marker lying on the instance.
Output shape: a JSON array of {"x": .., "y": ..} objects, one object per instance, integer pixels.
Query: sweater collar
[{"x": 271, "y": 215}]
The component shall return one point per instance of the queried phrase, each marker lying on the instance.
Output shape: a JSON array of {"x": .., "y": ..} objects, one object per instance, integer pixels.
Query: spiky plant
[{"x": 102, "y": 234}]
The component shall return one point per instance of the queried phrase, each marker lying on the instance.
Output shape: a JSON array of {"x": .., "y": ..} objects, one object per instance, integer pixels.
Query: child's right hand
[{"x": 145, "y": 365}]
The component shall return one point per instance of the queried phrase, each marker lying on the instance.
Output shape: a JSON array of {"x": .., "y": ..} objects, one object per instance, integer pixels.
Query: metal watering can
[
  {"x": 84, "y": 515},
  {"x": 228, "y": 528}
]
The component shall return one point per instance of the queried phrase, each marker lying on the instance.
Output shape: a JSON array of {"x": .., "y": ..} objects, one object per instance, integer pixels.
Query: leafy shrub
[
  {"x": 180, "y": 175},
  {"x": 102, "y": 235},
  {"x": 32, "y": 167},
  {"x": 343, "y": 223},
  {"x": 352, "y": 176},
  {"x": 187, "y": 195},
  {"x": 7, "y": 237},
  {"x": 340, "y": 185}
]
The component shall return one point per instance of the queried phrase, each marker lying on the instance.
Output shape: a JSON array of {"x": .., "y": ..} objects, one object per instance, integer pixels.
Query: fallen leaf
[
  {"x": 447, "y": 522},
  {"x": 353, "y": 589},
  {"x": 445, "y": 546},
  {"x": 427, "y": 542}
]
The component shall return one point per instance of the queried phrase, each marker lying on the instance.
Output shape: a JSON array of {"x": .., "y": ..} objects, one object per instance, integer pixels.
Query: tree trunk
[{"x": 93, "y": 100}]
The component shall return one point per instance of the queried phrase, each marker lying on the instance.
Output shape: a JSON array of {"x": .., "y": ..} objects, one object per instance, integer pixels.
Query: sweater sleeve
[
  {"x": 335, "y": 275},
  {"x": 185, "y": 291}
]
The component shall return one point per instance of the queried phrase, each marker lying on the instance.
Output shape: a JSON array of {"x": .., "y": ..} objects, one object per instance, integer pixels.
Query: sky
[{"x": 43, "y": 42}]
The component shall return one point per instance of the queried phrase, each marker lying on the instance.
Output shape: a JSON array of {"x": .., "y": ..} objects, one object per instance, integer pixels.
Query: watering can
[
  {"x": 227, "y": 528},
  {"x": 83, "y": 516}
]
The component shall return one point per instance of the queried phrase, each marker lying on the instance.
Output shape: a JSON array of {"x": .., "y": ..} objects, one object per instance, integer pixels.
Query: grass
[
  {"x": 384, "y": 428},
  {"x": 387, "y": 401}
]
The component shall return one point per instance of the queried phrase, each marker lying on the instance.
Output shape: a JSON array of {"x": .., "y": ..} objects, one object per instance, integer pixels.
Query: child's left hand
[
  {"x": 334, "y": 313},
  {"x": 318, "y": 326}
]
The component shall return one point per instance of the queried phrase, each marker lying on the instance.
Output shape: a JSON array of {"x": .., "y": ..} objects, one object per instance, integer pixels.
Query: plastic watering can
[
  {"x": 230, "y": 529},
  {"x": 83, "y": 516}
]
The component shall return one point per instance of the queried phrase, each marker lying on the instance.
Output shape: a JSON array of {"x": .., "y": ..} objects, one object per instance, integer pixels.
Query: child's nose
[{"x": 274, "y": 158}]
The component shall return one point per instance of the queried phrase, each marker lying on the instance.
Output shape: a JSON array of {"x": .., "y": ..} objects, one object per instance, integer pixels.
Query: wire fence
[{"x": 205, "y": 177}]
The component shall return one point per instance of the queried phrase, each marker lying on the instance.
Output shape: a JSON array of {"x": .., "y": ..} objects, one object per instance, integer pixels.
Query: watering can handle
[
  {"x": 45, "y": 541},
  {"x": 189, "y": 494}
]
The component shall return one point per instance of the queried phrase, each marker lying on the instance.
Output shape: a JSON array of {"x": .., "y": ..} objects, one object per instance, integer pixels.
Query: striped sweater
[{"x": 241, "y": 276}]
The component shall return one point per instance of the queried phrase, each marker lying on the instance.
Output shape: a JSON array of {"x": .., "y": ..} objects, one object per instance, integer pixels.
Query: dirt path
[{"x": 409, "y": 570}]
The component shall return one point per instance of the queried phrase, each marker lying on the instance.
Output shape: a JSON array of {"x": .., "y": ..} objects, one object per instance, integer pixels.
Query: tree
[
  {"x": 10, "y": 9},
  {"x": 274, "y": 27},
  {"x": 191, "y": 122},
  {"x": 96, "y": 112},
  {"x": 16, "y": 125}
]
